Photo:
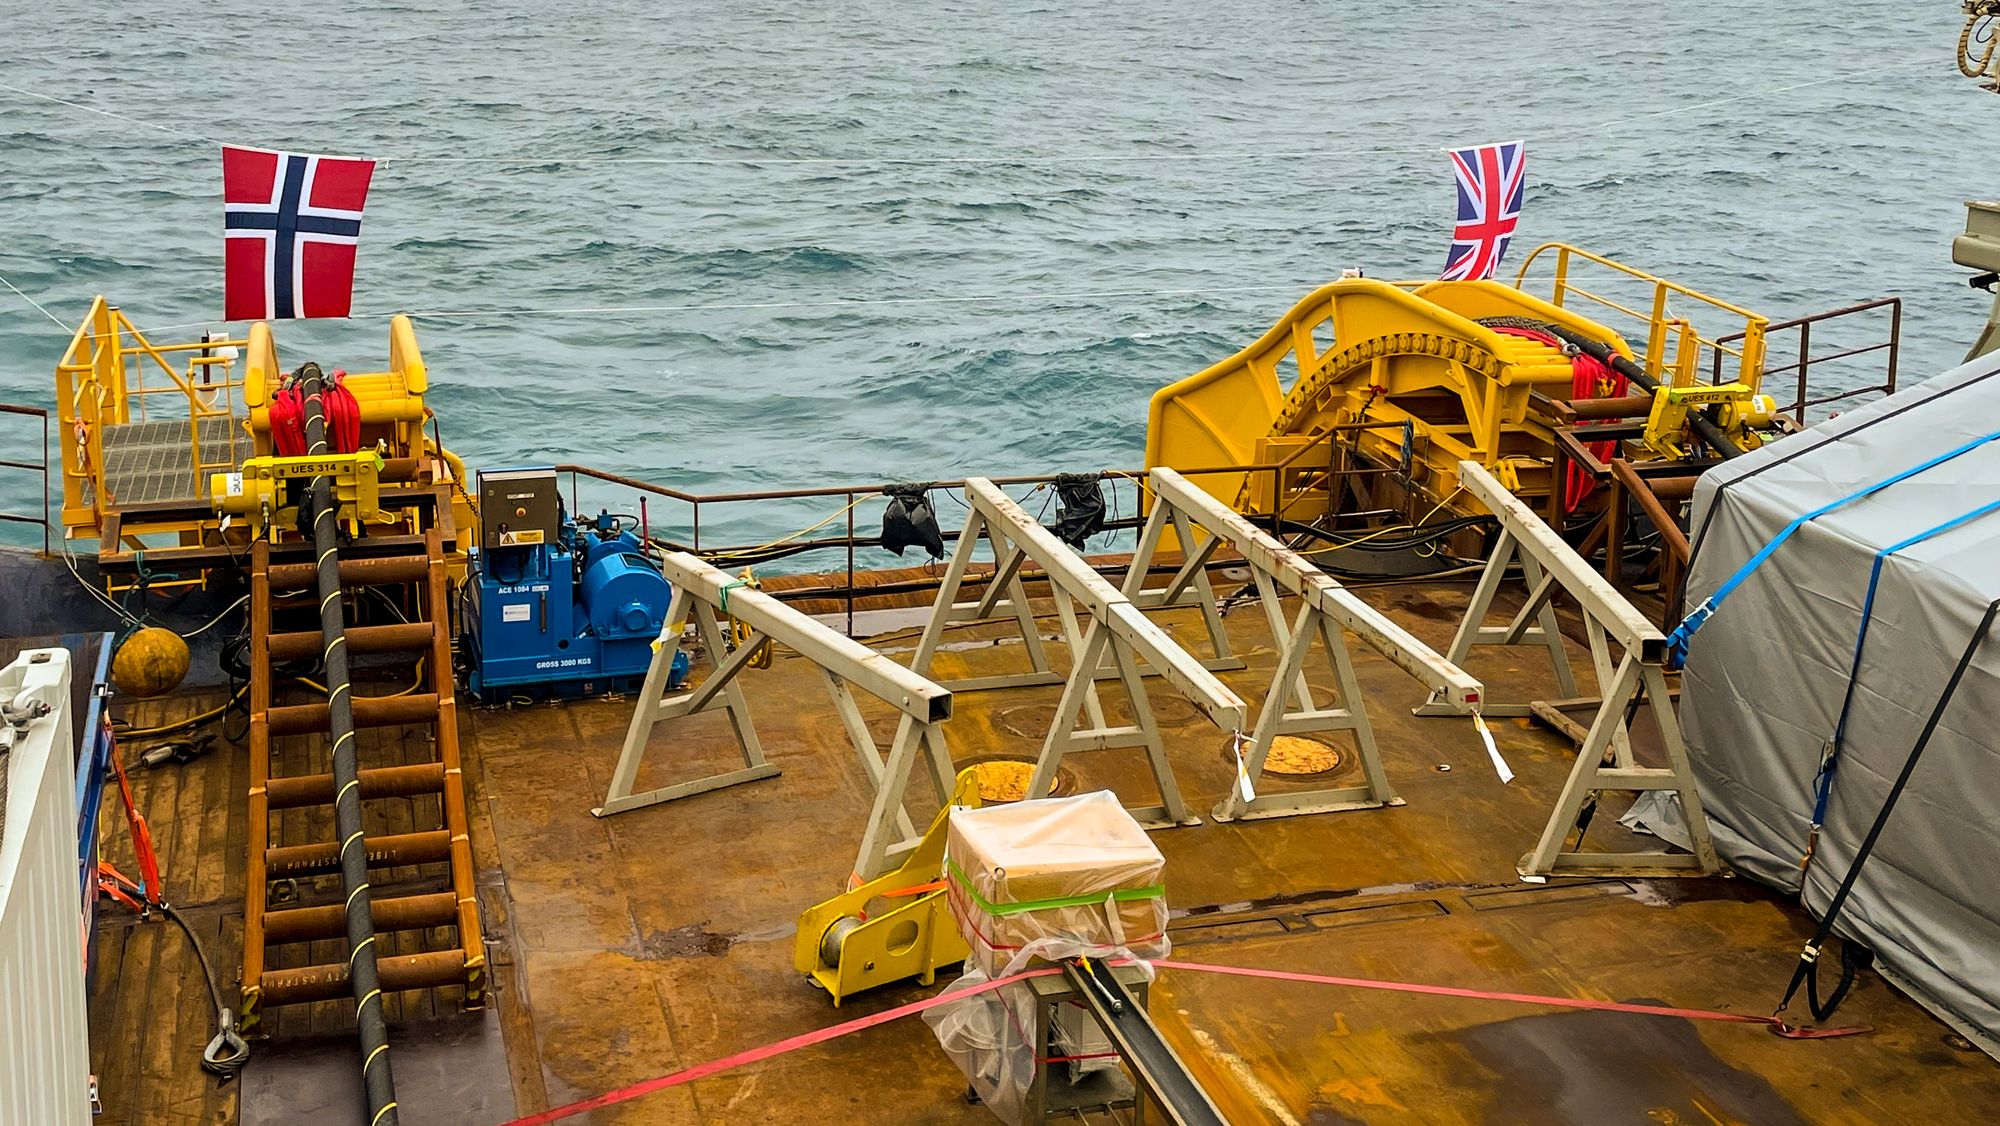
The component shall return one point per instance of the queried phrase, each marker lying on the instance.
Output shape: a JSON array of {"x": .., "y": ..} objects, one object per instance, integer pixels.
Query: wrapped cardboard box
[{"x": 1052, "y": 879}]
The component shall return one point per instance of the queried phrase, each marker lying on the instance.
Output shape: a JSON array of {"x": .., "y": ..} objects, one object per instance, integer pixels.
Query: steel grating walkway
[{"x": 151, "y": 462}]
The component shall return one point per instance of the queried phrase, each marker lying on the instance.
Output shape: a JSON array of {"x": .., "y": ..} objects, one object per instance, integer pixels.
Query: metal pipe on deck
[{"x": 363, "y": 973}]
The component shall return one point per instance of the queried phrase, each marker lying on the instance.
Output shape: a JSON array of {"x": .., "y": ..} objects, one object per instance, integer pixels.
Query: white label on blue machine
[{"x": 516, "y": 613}]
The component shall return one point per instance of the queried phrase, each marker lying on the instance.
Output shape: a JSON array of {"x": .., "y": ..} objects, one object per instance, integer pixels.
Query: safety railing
[
  {"x": 39, "y": 465},
  {"x": 1292, "y": 477},
  {"x": 1665, "y": 331},
  {"x": 1806, "y": 361},
  {"x": 111, "y": 375}
]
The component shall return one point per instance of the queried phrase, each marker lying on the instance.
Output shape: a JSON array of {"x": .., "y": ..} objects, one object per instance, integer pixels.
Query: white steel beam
[
  {"x": 1107, "y": 604},
  {"x": 1267, "y": 553},
  {"x": 914, "y": 695}
]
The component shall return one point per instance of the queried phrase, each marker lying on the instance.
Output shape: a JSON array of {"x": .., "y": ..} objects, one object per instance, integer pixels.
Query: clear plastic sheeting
[
  {"x": 1033, "y": 881},
  {"x": 989, "y": 1037},
  {"x": 1054, "y": 878},
  {"x": 1767, "y": 678}
]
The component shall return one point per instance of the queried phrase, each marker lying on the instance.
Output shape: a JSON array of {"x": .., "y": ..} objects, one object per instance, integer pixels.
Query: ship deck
[{"x": 629, "y": 947}]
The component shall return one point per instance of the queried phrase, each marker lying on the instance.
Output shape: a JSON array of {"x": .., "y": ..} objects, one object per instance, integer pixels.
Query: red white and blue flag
[
  {"x": 291, "y": 223},
  {"x": 1489, "y": 205}
]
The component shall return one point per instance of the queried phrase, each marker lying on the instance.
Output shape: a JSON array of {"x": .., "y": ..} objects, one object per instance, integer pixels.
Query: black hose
[
  {"x": 1705, "y": 428},
  {"x": 363, "y": 973},
  {"x": 1807, "y": 969}
]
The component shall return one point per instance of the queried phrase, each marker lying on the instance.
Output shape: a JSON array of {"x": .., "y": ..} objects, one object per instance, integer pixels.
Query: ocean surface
[{"x": 1020, "y": 220}]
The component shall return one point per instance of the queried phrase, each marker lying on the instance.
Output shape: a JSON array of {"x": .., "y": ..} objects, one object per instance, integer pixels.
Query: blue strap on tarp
[
  {"x": 1677, "y": 641},
  {"x": 1829, "y": 760}
]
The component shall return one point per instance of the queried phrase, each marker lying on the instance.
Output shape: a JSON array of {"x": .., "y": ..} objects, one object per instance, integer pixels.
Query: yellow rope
[
  {"x": 1965, "y": 49},
  {"x": 783, "y": 540}
]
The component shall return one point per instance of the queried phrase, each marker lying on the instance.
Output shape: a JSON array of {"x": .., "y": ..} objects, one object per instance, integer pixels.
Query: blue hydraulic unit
[{"x": 555, "y": 607}]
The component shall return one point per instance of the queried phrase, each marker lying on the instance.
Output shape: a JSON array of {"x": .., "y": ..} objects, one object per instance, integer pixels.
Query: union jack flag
[
  {"x": 290, "y": 223},
  {"x": 1489, "y": 205}
]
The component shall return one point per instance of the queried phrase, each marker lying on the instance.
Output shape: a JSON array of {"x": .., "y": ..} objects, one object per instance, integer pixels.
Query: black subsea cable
[
  {"x": 1806, "y": 972},
  {"x": 363, "y": 973}
]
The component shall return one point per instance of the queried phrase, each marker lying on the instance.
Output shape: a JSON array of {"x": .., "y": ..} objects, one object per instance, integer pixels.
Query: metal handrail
[
  {"x": 41, "y": 467},
  {"x": 98, "y": 385},
  {"x": 1800, "y": 399},
  {"x": 853, "y": 494},
  {"x": 1658, "y": 322}
]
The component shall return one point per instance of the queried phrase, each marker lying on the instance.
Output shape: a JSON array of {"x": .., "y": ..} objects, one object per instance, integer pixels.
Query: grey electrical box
[{"x": 518, "y": 507}]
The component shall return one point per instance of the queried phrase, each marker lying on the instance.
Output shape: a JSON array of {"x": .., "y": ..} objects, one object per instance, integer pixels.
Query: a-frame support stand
[
  {"x": 1102, "y": 626},
  {"x": 1005, "y": 598},
  {"x": 1605, "y": 761},
  {"x": 706, "y": 594},
  {"x": 1534, "y": 625},
  {"x": 1202, "y": 524}
]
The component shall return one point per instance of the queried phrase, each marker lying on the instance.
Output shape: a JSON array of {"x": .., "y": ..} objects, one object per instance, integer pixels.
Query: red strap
[
  {"x": 288, "y": 435},
  {"x": 702, "y": 1071},
  {"x": 142, "y": 837},
  {"x": 791, "y": 1044},
  {"x": 918, "y": 889}
]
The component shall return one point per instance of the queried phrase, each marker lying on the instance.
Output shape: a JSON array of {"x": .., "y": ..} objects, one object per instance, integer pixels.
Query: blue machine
[{"x": 557, "y": 607}]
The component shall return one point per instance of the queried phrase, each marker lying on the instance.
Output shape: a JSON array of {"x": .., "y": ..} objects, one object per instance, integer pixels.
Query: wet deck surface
[{"x": 629, "y": 947}]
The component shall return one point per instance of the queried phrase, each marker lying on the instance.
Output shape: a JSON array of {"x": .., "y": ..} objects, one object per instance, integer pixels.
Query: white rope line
[
  {"x": 858, "y": 301},
  {"x": 67, "y": 330},
  {"x": 108, "y": 113},
  {"x": 1014, "y": 159},
  {"x": 1301, "y": 288},
  {"x": 941, "y": 158},
  {"x": 440, "y": 314}
]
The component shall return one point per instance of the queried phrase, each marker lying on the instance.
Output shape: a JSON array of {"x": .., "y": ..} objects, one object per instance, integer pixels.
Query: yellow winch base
[
  {"x": 1366, "y": 350},
  {"x": 1413, "y": 374}
]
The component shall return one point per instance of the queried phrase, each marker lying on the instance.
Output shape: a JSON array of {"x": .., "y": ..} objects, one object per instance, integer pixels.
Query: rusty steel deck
[{"x": 631, "y": 946}]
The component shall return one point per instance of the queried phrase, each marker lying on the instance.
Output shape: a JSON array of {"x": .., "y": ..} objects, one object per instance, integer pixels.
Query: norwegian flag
[
  {"x": 291, "y": 222},
  {"x": 1489, "y": 205}
]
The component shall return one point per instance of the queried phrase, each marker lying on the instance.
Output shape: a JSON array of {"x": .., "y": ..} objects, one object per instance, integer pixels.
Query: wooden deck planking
[{"x": 150, "y": 1011}]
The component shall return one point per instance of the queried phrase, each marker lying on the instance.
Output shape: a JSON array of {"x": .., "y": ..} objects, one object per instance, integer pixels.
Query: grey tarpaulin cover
[{"x": 1766, "y": 674}]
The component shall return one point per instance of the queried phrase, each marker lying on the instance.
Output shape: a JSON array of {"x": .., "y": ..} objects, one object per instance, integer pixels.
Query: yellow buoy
[{"x": 152, "y": 662}]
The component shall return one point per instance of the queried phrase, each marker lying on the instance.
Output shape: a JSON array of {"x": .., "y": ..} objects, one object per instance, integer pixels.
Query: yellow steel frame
[
  {"x": 101, "y": 381},
  {"x": 1375, "y": 352},
  {"x": 1366, "y": 351},
  {"x": 913, "y": 935},
  {"x": 1661, "y": 326},
  {"x": 255, "y": 491},
  {"x": 108, "y": 376}
]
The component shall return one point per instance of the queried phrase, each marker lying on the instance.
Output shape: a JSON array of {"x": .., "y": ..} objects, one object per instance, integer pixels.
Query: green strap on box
[{"x": 1123, "y": 895}]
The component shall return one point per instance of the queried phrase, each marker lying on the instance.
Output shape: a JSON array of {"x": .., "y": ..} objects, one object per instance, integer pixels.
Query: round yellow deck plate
[
  {"x": 1004, "y": 780},
  {"x": 1293, "y": 755}
]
